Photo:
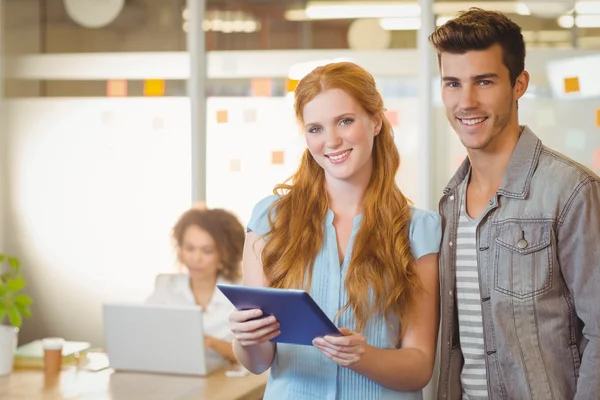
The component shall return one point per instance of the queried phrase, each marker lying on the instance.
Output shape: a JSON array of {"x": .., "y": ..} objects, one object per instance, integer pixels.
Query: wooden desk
[{"x": 73, "y": 384}]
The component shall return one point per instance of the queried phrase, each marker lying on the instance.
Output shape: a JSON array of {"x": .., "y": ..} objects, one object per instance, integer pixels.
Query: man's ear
[{"x": 521, "y": 85}]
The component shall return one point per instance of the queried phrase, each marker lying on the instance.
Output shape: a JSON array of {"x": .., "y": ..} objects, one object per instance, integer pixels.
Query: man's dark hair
[{"x": 477, "y": 29}]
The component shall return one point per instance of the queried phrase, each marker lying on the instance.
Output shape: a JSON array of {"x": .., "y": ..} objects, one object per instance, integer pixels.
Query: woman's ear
[{"x": 378, "y": 123}]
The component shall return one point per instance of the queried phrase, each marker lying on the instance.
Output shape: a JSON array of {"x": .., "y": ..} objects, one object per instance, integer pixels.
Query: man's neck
[{"x": 489, "y": 165}]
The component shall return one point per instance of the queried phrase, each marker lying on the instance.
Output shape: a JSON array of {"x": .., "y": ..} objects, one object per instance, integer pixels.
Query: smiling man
[{"x": 520, "y": 263}]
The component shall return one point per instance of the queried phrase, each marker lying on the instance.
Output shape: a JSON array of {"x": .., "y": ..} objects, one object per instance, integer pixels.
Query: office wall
[
  {"x": 19, "y": 34},
  {"x": 96, "y": 185}
]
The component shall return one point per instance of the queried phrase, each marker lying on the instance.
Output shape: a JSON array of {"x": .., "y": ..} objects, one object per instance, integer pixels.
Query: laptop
[{"x": 157, "y": 338}]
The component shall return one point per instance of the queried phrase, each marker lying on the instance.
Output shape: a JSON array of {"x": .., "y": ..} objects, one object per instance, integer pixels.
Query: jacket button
[
  {"x": 450, "y": 244},
  {"x": 452, "y": 197}
]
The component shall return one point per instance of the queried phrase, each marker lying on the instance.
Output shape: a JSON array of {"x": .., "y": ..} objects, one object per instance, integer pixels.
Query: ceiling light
[
  {"x": 587, "y": 7},
  {"x": 566, "y": 21},
  {"x": 454, "y": 7},
  {"x": 388, "y": 9},
  {"x": 522, "y": 9},
  {"x": 408, "y": 24},
  {"x": 353, "y": 10},
  {"x": 548, "y": 9},
  {"x": 581, "y": 21}
]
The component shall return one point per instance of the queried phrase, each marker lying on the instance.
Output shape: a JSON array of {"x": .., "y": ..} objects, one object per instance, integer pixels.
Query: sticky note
[
  {"x": 598, "y": 118},
  {"x": 154, "y": 87},
  {"x": 250, "y": 115},
  {"x": 575, "y": 139},
  {"x": 290, "y": 85},
  {"x": 392, "y": 116},
  {"x": 222, "y": 116},
  {"x": 571, "y": 85},
  {"x": 235, "y": 165},
  {"x": 277, "y": 157},
  {"x": 116, "y": 88},
  {"x": 261, "y": 87},
  {"x": 596, "y": 164}
]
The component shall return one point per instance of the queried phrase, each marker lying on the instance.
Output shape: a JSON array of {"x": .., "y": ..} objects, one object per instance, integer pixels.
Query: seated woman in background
[{"x": 209, "y": 245}]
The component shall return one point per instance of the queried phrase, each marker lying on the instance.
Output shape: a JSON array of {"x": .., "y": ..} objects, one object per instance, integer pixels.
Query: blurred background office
[{"x": 117, "y": 115}]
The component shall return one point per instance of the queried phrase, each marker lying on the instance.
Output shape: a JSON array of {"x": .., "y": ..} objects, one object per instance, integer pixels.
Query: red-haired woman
[{"x": 343, "y": 230}]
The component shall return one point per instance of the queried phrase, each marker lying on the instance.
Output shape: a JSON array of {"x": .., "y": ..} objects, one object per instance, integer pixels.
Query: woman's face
[
  {"x": 340, "y": 135},
  {"x": 198, "y": 253}
]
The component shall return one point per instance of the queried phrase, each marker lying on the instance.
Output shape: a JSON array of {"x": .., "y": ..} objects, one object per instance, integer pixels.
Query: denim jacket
[{"x": 539, "y": 277}]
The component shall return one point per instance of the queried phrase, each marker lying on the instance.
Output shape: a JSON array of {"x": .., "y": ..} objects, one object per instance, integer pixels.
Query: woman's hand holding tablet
[{"x": 250, "y": 327}]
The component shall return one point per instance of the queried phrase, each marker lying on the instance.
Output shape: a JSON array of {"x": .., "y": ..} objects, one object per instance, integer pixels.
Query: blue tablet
[{"x": 301, "y": 319}]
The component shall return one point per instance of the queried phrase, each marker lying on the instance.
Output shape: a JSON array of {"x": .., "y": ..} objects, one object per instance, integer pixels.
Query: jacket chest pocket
[{"x": 523, "y": 258}]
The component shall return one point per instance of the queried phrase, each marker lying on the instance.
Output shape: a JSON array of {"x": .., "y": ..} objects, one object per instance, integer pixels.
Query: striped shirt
[{"x": 473, "y": 377}]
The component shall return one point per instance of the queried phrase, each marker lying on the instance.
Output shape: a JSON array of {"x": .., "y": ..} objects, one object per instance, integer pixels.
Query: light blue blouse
[{"x": 302, "y": 372}]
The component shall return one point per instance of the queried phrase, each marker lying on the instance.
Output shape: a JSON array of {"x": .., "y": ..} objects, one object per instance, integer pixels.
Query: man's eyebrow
[
  {"x": 484, "y": 76},
  {"x": 473, "y": 78},
  {"x": 449, "y": 78}
]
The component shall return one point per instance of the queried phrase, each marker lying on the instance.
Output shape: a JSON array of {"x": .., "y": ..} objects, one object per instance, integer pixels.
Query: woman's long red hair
[{"x": 382, "y": 265}]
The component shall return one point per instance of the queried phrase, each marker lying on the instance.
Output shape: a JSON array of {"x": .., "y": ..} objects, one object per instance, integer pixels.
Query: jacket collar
[{"x": 519, "y": 171}]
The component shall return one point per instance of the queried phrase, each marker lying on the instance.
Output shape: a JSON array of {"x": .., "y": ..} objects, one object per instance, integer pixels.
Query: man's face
[{"x": 478, "y": 97}]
